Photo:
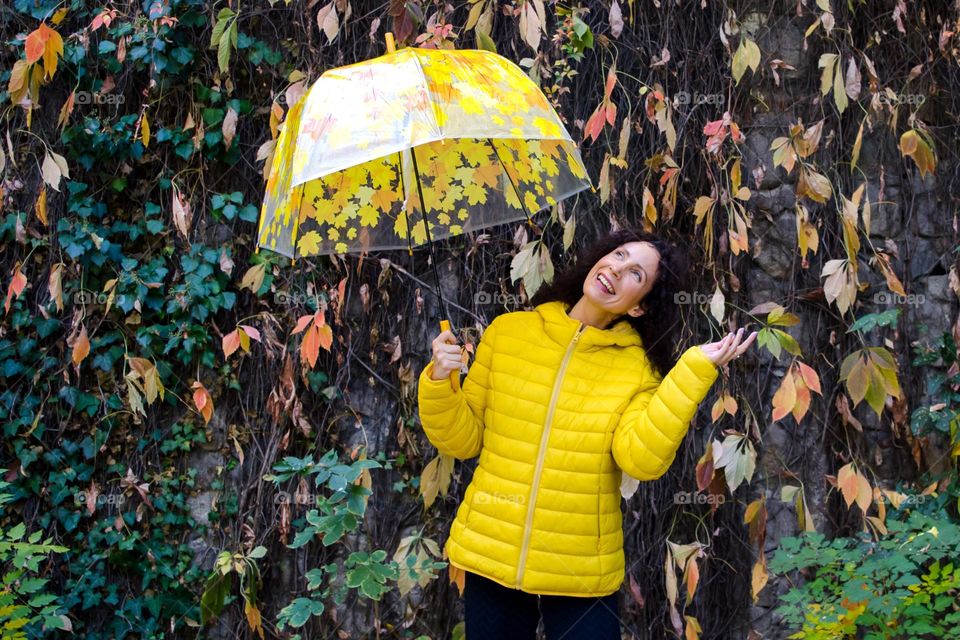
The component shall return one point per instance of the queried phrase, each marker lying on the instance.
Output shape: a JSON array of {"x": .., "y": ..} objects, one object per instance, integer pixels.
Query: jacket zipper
[{"x": 541, "y": 452}]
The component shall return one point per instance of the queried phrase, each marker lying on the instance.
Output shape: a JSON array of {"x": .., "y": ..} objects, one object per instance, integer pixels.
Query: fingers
[
  {"x": 447, "y": 354},
  {"x": 446, "y": 337},
  {"x": 735, "y": 346}
]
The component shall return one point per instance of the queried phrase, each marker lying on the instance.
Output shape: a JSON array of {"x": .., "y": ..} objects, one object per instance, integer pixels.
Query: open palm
[{"x": 723, "y": 351}]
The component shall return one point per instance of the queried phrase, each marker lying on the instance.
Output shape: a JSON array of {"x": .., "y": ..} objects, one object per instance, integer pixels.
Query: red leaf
[
  {"x": 610, "y": 84},
  {"x": 595, "y": 124},
  {"x": 713, "y": 128},
  {"x": 17, "y": 285},
  {"x": 611, "y": 113}
]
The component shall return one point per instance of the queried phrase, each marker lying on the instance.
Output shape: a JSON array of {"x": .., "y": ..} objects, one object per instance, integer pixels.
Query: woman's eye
[
  {"x": 618, "y": 253},
  {"x": 637, "y": 273}
]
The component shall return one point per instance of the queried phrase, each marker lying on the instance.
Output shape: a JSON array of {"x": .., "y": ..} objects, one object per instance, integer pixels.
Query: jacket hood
[{"x": 560, "y": 327}]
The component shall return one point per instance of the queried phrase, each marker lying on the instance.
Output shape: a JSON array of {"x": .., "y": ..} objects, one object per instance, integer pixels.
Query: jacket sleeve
[
  {"x": 453, "y": 420},
  {"x": 650, "y": 431}
]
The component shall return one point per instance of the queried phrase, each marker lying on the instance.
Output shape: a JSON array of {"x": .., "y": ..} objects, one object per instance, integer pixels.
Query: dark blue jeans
[{"x": 496, "y": 612}]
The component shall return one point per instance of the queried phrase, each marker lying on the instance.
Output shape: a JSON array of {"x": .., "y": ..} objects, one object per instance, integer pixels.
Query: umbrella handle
[{"x": 454, "y": 375}]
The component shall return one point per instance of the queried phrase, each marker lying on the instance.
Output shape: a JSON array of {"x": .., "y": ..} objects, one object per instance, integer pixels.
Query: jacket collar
[{"x": 561, "y": 328}]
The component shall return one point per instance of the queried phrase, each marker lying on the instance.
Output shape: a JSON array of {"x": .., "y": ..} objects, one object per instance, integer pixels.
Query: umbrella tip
[{"x": 391, "y": 46}]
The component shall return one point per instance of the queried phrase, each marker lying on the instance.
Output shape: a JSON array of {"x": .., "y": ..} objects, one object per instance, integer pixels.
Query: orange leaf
[
  {"x": 803, "y": 398},
  {"x": 36, "y": 43},
  {"x": 81, "y": 347},
  {"x": 759, "y": 578},
  {"x": 785, "y": 397},
  {"x": 301, "y": 324},
  {"x": 41, "y": 206},
  {"x": 231, "y": 342},
  {"x": 610, "y": 84},
  {"x": 16, "y": 287},
  {"x": 51, "y": 48},
  {"x": 325, "y": 336},
  {"x": 203, "y": 401},
  {"x": 705, "y": 468},
  {"x": 341, "y": 294},
  {"x": 693, "y": 577},
  {"x": 810, "y": 378},
  {"x": 716, "y": 410},
  {"x": 848, "y": 483},
  {"x": 310, "y": 347},
  {"x": 595, "y": 124},
  {"x": 456, "y": 575},
  {"x": 864, "y": 492}
]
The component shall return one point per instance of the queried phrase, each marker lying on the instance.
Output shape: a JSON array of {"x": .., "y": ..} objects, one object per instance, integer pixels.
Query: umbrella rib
[
  {"x": 426, "y": 228},
  {"x": 512, "y": 183},
  {"x": 406, "y": 214}
]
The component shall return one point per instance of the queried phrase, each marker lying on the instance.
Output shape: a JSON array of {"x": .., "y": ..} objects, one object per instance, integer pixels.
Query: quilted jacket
[{"x": 557, "y": 411}]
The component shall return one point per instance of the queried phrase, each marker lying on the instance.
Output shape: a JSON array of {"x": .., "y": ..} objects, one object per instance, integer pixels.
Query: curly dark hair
[{"x": 659, "y": 327}]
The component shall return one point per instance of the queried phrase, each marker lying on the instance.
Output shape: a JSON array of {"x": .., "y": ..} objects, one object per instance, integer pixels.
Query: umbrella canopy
[{"x": 414, "y": 146}]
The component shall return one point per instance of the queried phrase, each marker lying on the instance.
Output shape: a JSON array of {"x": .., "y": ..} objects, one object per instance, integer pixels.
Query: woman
[{"x": 559, "y": 404}]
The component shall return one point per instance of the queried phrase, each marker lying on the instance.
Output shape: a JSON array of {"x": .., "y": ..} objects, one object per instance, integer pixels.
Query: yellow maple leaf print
[
  {"x": 309, "y": 243},
  {"x": 369, "y": 216},
  {"x": 475, "y": 194}
]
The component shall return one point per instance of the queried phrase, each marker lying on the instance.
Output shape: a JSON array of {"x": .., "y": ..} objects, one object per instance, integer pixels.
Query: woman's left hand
[{"x": 723, "y": 351}]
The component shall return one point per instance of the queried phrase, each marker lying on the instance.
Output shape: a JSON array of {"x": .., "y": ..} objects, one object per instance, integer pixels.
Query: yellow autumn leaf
[
  {"x": 41, "y": 206},
  {"x": 145, "y": 130}
]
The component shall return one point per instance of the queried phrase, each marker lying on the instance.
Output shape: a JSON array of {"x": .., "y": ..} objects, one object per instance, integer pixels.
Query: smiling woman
[{"x": 560, "y": 404}]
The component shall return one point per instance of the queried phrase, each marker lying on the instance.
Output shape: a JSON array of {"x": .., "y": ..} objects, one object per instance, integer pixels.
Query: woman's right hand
[{"x": 447, "y": 356}]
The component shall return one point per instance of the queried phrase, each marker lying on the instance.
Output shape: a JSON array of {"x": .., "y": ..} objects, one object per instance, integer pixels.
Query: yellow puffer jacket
[{"x": 556, "y": 409}]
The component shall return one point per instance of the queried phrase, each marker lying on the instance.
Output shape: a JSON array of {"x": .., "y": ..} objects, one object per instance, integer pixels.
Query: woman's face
[{"x": 622, "y": 278}]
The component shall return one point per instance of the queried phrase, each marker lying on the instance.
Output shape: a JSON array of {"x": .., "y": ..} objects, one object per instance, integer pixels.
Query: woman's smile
[{"x": 605, "y": 284}]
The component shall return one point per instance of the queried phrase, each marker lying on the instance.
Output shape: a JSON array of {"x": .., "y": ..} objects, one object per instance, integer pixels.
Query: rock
[
  {"x": 773, "y": 201},
  {"x": 886, "y": 219},
  {"x": 927, "y": 255},
  {"x": 933, "y": 219},
  {"x": 778, "y": 249},
  {"x": 780, "y": 38}
]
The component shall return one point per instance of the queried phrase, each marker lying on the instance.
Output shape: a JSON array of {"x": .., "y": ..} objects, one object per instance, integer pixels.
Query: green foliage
[
  {"x": 904, "y": 585},
  {"x": 337, "y": 514},
  {"x": 218, "y": 586},
  {"x": 944, "y": 415},
  {"x": 26, "y": 605}
]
